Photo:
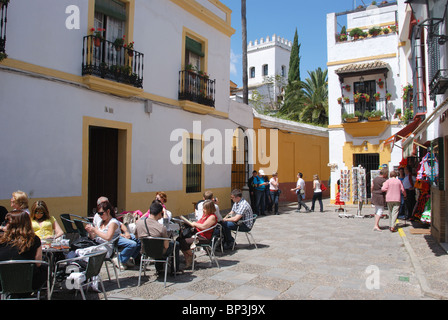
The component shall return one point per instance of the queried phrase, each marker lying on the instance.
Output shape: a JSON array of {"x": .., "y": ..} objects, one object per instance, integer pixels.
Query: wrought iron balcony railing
[
  {"x": 362, "y": 106},
  {"x": 104, "y": 59},
  {"x": 439, "y": 84},
  {"x": 196, "y": 88}
]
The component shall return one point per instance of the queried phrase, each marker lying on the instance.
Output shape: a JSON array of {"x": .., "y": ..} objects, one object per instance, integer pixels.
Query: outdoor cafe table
[{"x": 50, "y": 251}]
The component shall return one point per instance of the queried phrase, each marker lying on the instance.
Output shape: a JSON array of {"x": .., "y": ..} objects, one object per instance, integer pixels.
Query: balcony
[
  {"x": 439, "y": 84},
  {"x": 197, "y": 88},
  {"x": 362, "y": 106},
  {"x": 102, "y": 58},
  {"x": 361, "y": 127}
]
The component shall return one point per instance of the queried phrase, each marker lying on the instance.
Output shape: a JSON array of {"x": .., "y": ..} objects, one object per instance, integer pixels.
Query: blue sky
[{"x": 282, "y": 17}]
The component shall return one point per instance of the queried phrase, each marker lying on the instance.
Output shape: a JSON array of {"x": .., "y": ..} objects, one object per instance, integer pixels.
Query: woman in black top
[{"x": 18, "y": 242}]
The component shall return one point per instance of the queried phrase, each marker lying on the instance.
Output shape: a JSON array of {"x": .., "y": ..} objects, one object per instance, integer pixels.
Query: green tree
[
  {"x": 294, "y": 61},
  {"x": 315, "y": 90}
]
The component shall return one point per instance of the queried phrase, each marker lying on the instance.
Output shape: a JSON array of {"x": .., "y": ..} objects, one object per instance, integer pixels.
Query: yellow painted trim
[
  {"x": 197, "y": 37},
  {"x": 379, "y": 57},
  {"x": 402, "y": 43},
  {"x": 195, "y": 107},
  {"x": 223, "y": 8},
  {"x": 365, "y": 129},
  {"x": 130, "y": 13},
  {"x": 124, "y": 158},
  {"x": 112, "y": 87},
  {"x": 207, "y": 16},
  {"x": 335, "y": 126},
  {"x": 29, "y": 67}
]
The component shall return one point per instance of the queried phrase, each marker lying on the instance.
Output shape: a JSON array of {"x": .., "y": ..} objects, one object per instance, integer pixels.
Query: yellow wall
[{"x": 298, "y": 152}]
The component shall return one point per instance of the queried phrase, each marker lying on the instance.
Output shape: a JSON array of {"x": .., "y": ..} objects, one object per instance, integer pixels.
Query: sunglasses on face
[{"x": 100, "y": 213}]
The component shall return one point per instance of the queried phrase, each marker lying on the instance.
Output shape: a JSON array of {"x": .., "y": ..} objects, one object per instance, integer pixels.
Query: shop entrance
[{"x": 369, "y": 161}]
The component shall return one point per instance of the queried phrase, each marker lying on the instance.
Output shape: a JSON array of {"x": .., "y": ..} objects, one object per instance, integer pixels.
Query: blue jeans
[
  {"x": 274, "y": 199},
  {"x": 300, "y": 198},
  {"x": 260, "y": 202},
  {"x": 228, "y": 226},
  {"x": 130, "y": 248}
]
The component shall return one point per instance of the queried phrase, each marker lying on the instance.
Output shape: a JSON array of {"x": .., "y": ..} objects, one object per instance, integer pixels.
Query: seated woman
[
  {"x": 19, "y": 242},
  {"x": 162, "y": 198},
  {"x": 107, "y": 228},
  {"x": 207, "y": 221},
  {"x": 44, "y": 225},
  {"x": 19, "y": 201}
]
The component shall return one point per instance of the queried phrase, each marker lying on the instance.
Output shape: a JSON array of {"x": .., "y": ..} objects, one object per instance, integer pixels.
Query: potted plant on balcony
[
  {"x": 349, "y": 117},
  {"x": 347, "y": 88},
  {"x": 356, "y": 33},
  {"x": 397, "y": 113},
  {"x": 130, "y": 48},
  {"x": 377, "y": 96},
  {"x": 346, "y": 99},
  {"x": 374, "y": 31},
  {"x": 375, "y": 115},
  {"x": 357, "y": 97},
  {"x": 340, "y": 100},
  {"x": 365, "y": 96},
  {"x": 386, "y": 30},
  {"x": 388, "y": 96},
  {"x": 97, "y": 36},
  {"x": 407, "y": 92},
  {"x": 380, "y": 83},
  {"x": 119, "y": 42}
]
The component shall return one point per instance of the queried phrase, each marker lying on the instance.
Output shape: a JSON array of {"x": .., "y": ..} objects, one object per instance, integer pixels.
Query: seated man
[
  {"x": 150, "y": 227},
  {"x": 241, "y": 210},
  {"x": 208, "y": 195}
]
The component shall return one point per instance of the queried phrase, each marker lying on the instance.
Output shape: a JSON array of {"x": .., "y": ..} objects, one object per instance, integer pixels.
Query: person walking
[
  {"x": 378, "y": 197},
  {"x": 300, "y": 190},
  {"x": 393, "y": 188},
  {"x": 317, "y": 193},
  {"x": 274, "y": 191}
]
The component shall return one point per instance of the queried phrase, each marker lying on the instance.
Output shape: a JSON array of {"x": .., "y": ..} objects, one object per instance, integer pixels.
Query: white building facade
[
  {"x": 268, "y": 66},
  {"x": 368, "y": 66},
  {"x": 86, "y": 120}
]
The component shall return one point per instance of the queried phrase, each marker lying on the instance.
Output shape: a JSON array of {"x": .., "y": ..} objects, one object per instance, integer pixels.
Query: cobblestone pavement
[{"x": 317, "y": 256}]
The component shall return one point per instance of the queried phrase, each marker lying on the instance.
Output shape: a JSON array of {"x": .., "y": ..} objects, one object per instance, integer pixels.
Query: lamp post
[{"x": 430, "y": 13}]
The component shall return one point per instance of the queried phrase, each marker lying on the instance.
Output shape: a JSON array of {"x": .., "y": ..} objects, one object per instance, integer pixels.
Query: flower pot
[
  {"x": 131, "y": 53},
  {"x": 374, "y": 118},
  {"x": 381, "y": 85},
  {"x": 355, "y": 119},
  {"x": 377, "y": 98},
  {"x": 97, "y": 42}
]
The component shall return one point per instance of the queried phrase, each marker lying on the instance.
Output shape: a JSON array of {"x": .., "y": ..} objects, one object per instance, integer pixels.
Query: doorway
[
  {"x": 103, "y": 166},
  {"x": 369, "y": 161}
]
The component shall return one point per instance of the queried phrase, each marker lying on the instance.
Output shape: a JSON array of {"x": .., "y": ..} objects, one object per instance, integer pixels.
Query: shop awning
[
  {"x": 423, "y": 126},
  {"x": 405, "y": 132}
]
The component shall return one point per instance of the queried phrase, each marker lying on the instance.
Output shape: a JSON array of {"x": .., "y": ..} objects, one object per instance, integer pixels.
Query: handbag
[
  {"x": 323, "y": 187},
  {"x": 82, "y": 243}
]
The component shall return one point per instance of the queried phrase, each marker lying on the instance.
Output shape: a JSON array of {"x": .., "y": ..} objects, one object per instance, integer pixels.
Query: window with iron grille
[{"x": 194, "y": 166}]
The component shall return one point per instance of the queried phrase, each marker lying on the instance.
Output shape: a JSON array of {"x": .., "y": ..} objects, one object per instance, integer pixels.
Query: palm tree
[
  {"x": 244, "y": 42},
  {"x": 315, "y": 90}
]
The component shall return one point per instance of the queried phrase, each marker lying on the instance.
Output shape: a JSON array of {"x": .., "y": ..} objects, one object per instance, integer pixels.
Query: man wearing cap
[{"x": 260, "y": 186}]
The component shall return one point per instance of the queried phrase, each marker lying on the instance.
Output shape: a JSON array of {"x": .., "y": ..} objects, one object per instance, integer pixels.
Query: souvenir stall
[
  {"x": 359, "y": 188},
  {"x": 344, "y": 192}
]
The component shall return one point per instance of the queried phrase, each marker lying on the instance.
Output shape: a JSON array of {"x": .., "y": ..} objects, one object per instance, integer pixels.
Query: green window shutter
[
  {"x": 111, "y": 8},
  {"x": 194, "y": 46}
]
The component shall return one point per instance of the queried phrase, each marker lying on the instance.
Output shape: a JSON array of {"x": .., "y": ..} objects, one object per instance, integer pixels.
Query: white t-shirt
[
  {"x": 198, "y": 213},
  {"x": 300, "y": 183},
  {"x": 272, "y": 186},
  {"x": 316, "y": 184}
]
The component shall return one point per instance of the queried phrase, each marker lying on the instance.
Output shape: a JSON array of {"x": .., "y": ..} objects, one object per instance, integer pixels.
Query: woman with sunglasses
[
  {"x": 107, "y": 228},
  {"x": 44, "y": 225}
]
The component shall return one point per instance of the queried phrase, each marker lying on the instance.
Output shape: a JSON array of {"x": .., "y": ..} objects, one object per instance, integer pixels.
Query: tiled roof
[{"x": 361, "y": 67}]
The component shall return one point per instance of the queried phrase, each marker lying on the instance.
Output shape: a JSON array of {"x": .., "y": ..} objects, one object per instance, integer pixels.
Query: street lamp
[{"x": 430, "y": 13}]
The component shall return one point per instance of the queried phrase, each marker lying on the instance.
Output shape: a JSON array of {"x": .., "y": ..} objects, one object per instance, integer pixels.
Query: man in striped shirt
[{"x": 241, "y": 215}]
